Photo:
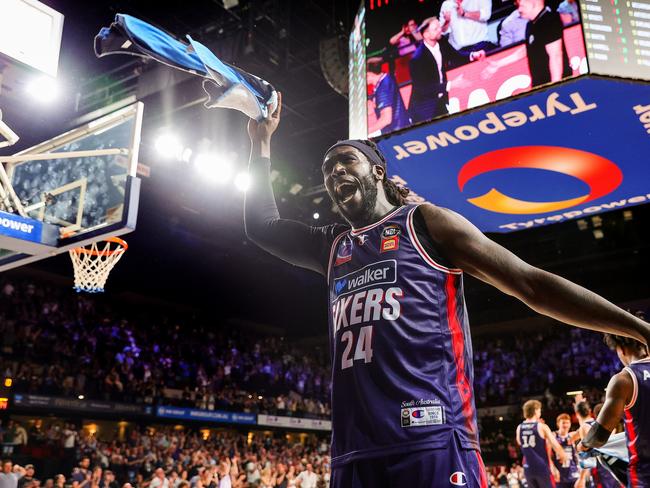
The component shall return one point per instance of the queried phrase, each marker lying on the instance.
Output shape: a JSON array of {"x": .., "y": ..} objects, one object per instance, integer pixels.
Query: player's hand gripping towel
[{"x": 227, "y": 86}]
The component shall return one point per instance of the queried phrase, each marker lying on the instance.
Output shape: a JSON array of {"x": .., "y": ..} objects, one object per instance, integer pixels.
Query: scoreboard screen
[
  {"x": 427, "y": 59},
  {"x": 617, "y": 34}
]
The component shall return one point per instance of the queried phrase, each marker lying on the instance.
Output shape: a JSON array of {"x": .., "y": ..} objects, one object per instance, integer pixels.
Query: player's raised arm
[
  {"x": 619, "y": 393},
  {"x": 544, "y": 292},
  {"x": 289, "y": 240},
  {"x": 546, "y": 433}
]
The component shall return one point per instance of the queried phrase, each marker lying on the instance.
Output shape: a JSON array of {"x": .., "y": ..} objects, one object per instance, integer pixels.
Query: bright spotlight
[
  {"x": 169, "y": 146},
  {"x": 214, "y": 167},
  {"x": 243, "y": 181},
  {"x": 44, "y": 89},
  {"x": 316, "y": 216}
]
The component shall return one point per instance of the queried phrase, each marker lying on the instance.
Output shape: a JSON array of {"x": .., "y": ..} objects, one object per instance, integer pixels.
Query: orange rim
[{"x": 116, "y": 240}]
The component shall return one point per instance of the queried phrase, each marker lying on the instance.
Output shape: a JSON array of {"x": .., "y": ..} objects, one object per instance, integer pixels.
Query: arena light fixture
[
  {"x": 316, "y": 216},
  {"x": 214, "y": 167},
  {"x": 243, "y": 181},
  {"x": 169, "y": 146},
  {"x": 81, "y": 397},
  {"x": 44, "y": 89}
]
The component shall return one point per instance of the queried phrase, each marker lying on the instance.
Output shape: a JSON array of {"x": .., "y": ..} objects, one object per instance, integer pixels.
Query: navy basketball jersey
[
  {"x": 637, "y": 425},
  {"x": 568, "y": 470},
  {"x": 533, "y": 448},
  {"x": 402, "y": 359}
]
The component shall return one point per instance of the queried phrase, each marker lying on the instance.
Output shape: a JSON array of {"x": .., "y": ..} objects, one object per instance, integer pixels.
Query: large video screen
[
  {"x": 357, "y": 72},
  {"x": 618, "y": 37},
  {"x": 430, "y": 58}
]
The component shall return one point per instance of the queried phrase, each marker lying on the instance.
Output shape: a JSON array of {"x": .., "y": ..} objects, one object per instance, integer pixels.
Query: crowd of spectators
[
  {"x": 516, "y": 366},
  {"x": 56, "y": 343},
  {"x": 171, "y": 458},
  {"x": 62, "y": 344}
]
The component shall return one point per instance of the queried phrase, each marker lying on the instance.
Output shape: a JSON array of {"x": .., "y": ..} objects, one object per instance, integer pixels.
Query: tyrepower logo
[
  {"x": 379, "y": 273},
  {"x": 600, "y": 175}
]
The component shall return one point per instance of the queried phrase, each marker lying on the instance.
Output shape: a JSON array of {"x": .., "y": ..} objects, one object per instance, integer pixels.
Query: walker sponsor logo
[
  {"x": 572, "y": 150},
  {"x": 206, "y": 415},
  {"x": 380, "y": 273},
  {"x": 16, "y": 226},
  {"x": 294, "y": 422}
]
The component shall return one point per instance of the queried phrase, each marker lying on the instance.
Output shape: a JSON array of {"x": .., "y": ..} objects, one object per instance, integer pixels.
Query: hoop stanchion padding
[{"x": 93, "y": 263}]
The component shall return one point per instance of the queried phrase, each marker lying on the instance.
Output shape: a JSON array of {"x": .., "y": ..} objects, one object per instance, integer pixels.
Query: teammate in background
[
  {"x": 628, "y": 397},
  {"x": 536, "y": 440},
  {"x": 602, "y": 477},
  {"x": 403, "y": 410},
  {"x": 389, "y": 107},
  {"x": 570, "y": 475},
  {"x": 585, "y": 420}
]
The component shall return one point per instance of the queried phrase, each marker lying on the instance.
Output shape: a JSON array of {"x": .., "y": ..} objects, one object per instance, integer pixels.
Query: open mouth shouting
[{"x": 345, "y": 191}]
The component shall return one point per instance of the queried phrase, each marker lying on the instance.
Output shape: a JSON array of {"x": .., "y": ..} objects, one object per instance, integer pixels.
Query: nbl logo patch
[{"x": 390, "y": 238}]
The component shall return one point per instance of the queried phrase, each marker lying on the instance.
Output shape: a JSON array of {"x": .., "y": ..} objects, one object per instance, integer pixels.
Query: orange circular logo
[{"x": 601, "y": 175}]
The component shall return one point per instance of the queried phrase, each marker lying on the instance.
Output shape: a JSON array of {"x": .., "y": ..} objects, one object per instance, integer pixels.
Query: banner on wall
[
  {"x": 294, "y": 422},
  {"x": 571, "y": 151},
  {"x": 206, "y": 415}
]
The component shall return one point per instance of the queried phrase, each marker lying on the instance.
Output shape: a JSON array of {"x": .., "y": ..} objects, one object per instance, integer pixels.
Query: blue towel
[{"x": 227, "y": 86}]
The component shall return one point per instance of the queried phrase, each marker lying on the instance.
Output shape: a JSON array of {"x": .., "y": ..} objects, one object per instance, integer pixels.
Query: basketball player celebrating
[
  {"x": 570, "y": 475},
  {"x": 402, "y": 406},
  {"x": 627, "y": 397},
  {"x": 536, "y": 440}
]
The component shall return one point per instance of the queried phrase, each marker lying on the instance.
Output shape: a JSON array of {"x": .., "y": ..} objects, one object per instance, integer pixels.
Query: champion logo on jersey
[
  {"x": 362, "y": 239},
  {"x": 458, "y": 479},
  {"x": 418, "y": 414},
  {"x": 344, "y": 252}
]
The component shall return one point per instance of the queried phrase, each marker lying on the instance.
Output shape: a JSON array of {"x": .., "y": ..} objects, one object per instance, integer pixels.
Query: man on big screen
[
  {"x": 545, "y": 49},
  {"x": 428, "y": 67}
]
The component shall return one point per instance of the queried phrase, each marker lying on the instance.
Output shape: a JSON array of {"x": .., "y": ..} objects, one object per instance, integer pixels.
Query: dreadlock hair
[
  {"x": 613, "y": 341},
  {"x": 396, "y": 195}
]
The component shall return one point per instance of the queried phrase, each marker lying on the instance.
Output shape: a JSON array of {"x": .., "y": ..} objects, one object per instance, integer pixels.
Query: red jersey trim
[
  {"x": 458, "y": 346},
  {"x": 420, "y": 249},
  {"x": 631, "y": 447},
  {"x": 635, "y": 393}
]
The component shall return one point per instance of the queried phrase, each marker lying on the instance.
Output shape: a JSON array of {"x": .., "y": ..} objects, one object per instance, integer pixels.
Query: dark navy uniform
[
  {"x": 569, "y": 471},
  {"x": 537, "y": 468},
  {"x": 403, "y": 409},
  {"x": 637, "y": 425}
]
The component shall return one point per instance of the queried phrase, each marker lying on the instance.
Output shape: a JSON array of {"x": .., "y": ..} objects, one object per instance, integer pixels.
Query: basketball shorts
[
  {"x": 539, "y": 480},
  {"x": 430, "y": 468}
]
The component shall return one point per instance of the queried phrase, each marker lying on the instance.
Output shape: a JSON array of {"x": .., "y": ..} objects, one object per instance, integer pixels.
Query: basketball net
[{"x": 93, "y": 263}]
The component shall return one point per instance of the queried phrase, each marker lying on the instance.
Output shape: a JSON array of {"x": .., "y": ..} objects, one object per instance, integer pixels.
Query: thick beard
[{"x": 369, "y": 192}]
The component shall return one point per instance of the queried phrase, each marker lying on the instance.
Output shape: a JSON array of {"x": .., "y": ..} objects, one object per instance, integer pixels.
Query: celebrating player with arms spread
[{"x": 402, "y": 405}]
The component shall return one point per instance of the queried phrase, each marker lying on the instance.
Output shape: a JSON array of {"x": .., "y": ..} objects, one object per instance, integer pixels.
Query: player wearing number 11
[{"x": 403, "y": 411}]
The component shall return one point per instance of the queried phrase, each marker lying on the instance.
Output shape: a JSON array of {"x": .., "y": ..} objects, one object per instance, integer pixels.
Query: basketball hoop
[{"x": 93, "y": 263}]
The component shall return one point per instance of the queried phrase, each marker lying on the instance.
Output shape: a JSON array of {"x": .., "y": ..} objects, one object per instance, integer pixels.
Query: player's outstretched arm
[
  {"x": 289, "y": 240},
  {"x": 544, "y": 292},
  {"x": 546, "y": 433},
  {"x": 619, "y": 394}
]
